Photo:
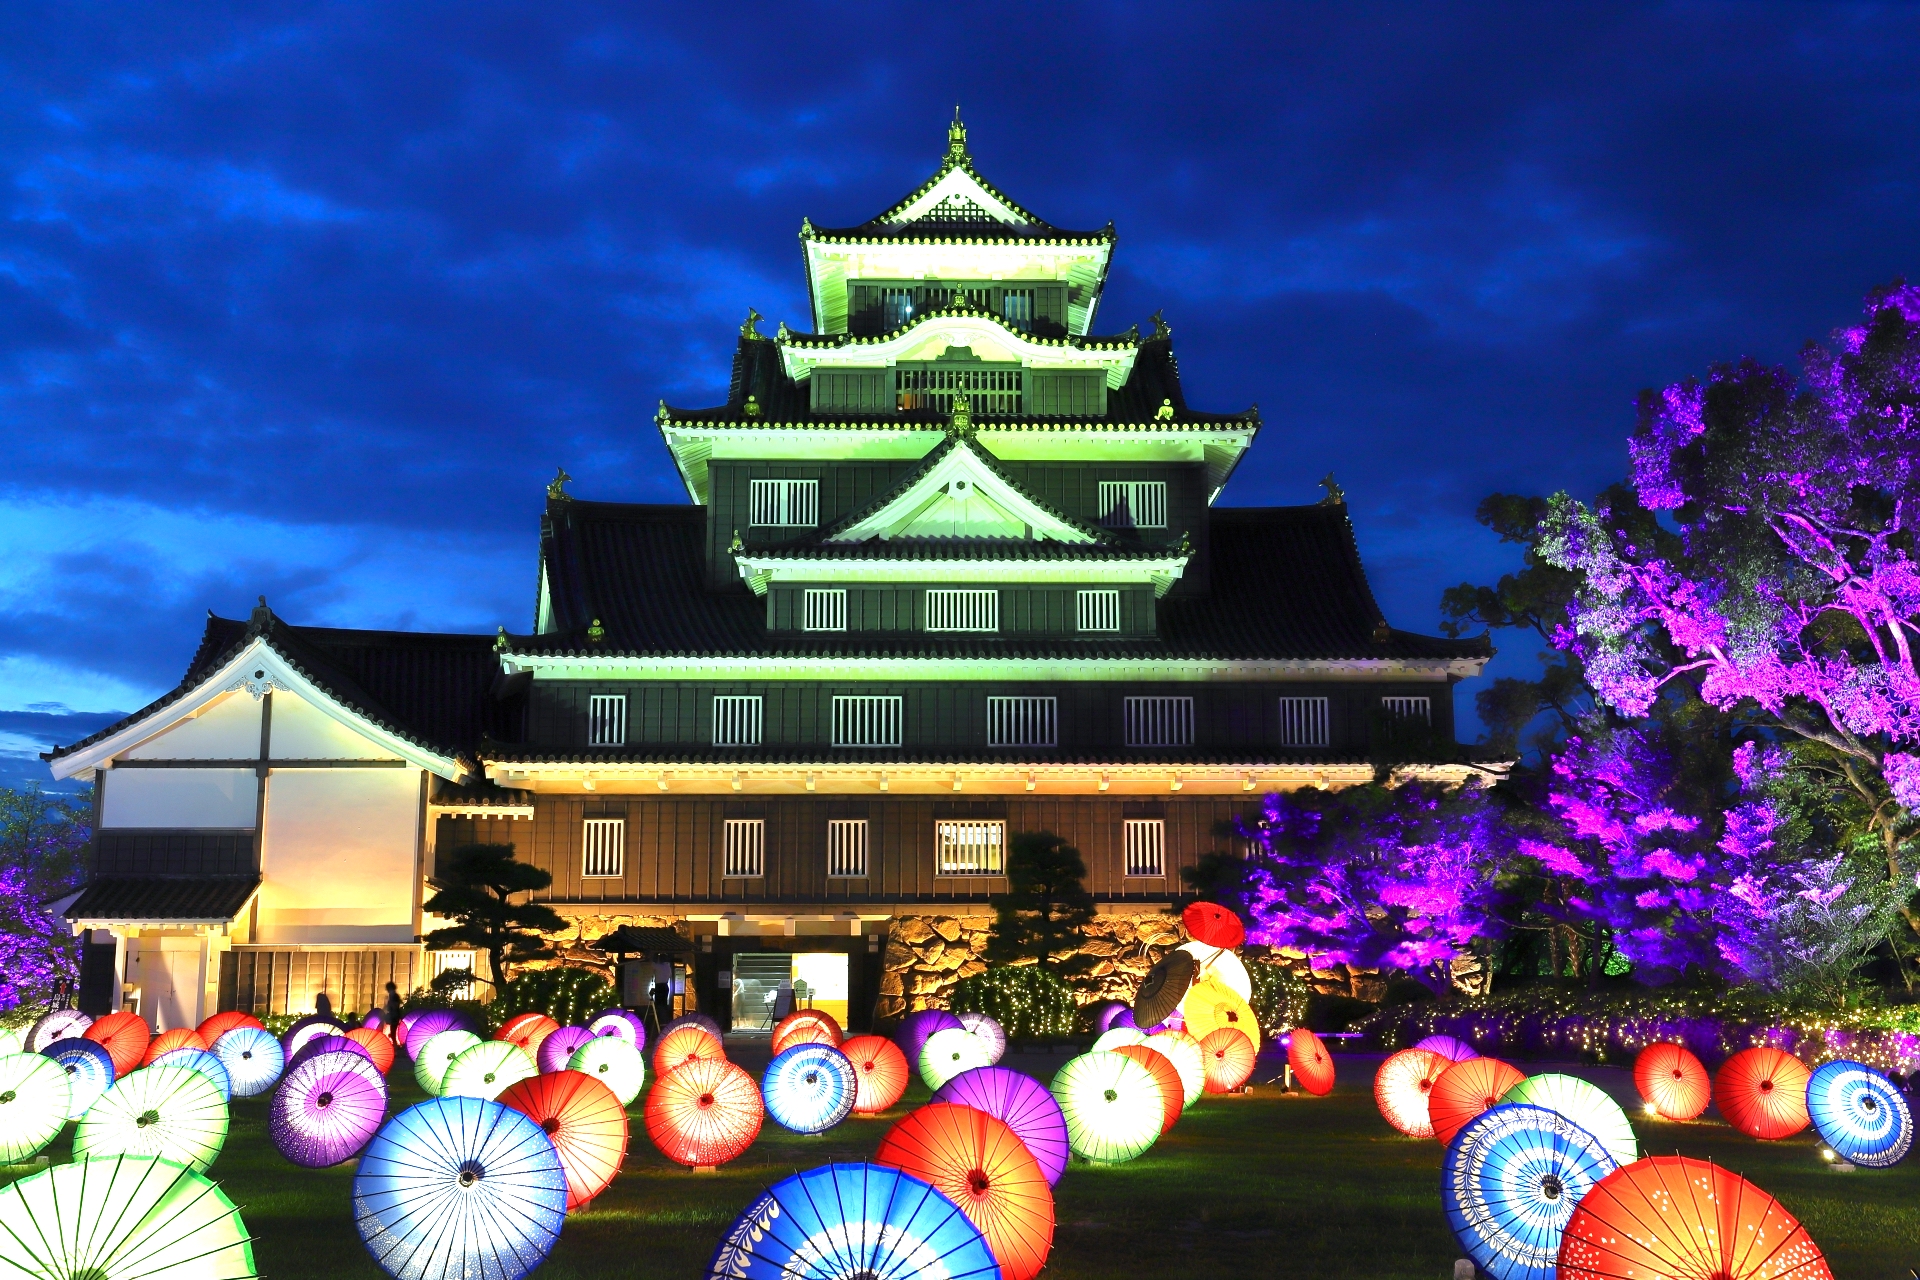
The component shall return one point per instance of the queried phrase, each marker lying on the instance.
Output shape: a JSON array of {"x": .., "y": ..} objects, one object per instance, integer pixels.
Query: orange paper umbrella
[
  {"x": 125, "y": 1038},
  {"x": 1173, "y": 1094},
  {"x": 808, "y": 1026},
  {"x": 586, "y": 1122},
  {"x": 1675, "y": 1216},
  {"x": 704, "y": 1114},
  {"x": 686, "y": 1044},
  {"x": 1228, "y": 1056},
  {"x": 1672, "y": 1082},
  {"x": 168, "y": 1041},
  {"x": 1762, "y": 1092},
  {"x": 221, "y": 1023},
  {"x": 378, "y": 1047},
  {"x": 1312, "y": 1064},
  {"x": 978, "y": 1163},
  {"x": 528, "y": 1030},
  {"x": 880, "y": 1070},
  {"x": 1465, "y": 1089},
  {"x": 1402, "y": 1087}
]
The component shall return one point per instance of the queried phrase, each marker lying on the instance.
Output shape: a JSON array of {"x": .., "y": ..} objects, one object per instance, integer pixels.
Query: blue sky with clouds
[{"x": 310, "y": 300}]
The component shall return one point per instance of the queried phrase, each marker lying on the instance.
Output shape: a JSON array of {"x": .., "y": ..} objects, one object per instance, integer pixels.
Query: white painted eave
[
  {"x": 961, "y": 329},
  {"x": 862, "y": 667}
]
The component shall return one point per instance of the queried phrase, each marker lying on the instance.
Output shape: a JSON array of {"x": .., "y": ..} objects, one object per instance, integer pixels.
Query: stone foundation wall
[{"x": 571, "y": 946}]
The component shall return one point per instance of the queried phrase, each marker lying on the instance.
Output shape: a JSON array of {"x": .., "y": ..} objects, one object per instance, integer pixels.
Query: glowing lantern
[
  {"x": 1465, "y": 1089},
  {"x": 35, "y": 1096},
  {"x": 879, "y": 1071},
  {"x": 486, "y": 1069},
  {"x": 1402, "y": 1086},
  {"x": 453, "y": 1188},
  {"x": 1860, "y": 1114},
  {"x": 1312, "y": 1064},
  {"x": 527, "y": 1030},
  {"x": 1112, "y": 1105},
  {"x": 1172, "y": 1092},
  {"x": 806, "y": 1026},
  {"x": 1675, "y": 1216},
  {"x": 614, "y": 1063},
  {"x": 437, "y": 1053},
  {"x": 309, "y": 1028},
  {"x": 1110, "y": 1040},
  {"x": 704, "y": 1113},
  {"x": 216, "y": 1025},
  {"x": 1587, "y": 1105},
  {"x": 623, "y": 1023},
  {"x": 118, "y": 1217},
  {"x": 1448, "y": 1047},
  {"x": 253, "y": 1059},
  {"x": 948, "y": 1053},
  {"x": 422, "y": 1025},
  {"x": 1672, "y": 1081},
  {"x": 61, "y": 1024},
  {"x": 587, "y": 1124},
  {"x": 124, "y": 1036},
  {"x": 1183, "y": 1051},
  {"x": 809, "y": 1087},
  {"x": 1021, "y": 1103},
  {"x": 915, "y": 1028},
  {"x": 89, "y": 1070},
  {"x": 203, "y": 1062},
  {"x": 700, "y": 1020},
  {"x": 686, "y": 1044},
  {"x": 1210, "y": 1005},
  {"x": 169, "y": 1112},
  {"x": 327, "y": 1109},
  {"x": 1510, "y": 1183},
  {"x": 1213, "y": 924},
  {"x": 558, "y": 1049},
  {"x": 1763, "y": 1093},
  {"x": 377, "y": 1047},
  {"x": 167, "y": 1041},
  {"x": 978, "y": 1163},
  {"x": 1228, "y": 1057}
]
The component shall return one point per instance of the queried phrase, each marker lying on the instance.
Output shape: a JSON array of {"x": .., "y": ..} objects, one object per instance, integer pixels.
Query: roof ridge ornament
[
  {"x": 961, "y": 425},
  {"x": 752, "y": 407},
  {"x": 957, "y": 139},
  {"x": 746, "y": 326},
  {"x": 500, "y": 642},
  {"x": 260, "y": 620},
  {"x": 1161, "y": 329},
  {"x": 557, "y": 487},
  {"x": 596, "y": 633},
  {"x": 1336, "y": 496},
  {"x": 1165, "y": 412}
]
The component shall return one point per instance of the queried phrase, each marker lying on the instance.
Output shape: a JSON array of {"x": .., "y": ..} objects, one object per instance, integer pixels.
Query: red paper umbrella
[
  {"x": 807, "y": 1026},
  {"x": 1228, "y": 1057},
  {"x": 978, "y": 1163},
  {"x": 527, "y": 1030},
  {"x": 1674, "y": 1216},
  {"x": 586, "y": 1122},
  {"x": 686, "y": 1044},
  {"x": 1173, "y": 1094},
  {"x": 125, "y": 1038},
  {"x": 1402, "y": 1087},
  {"x": 168, "y": 1041},
  {"x": 1312, "y": 1064},
  {"x": 378, "y": 1047},
  {"x": 1213, "y": 924},
  {"x": 221, "y": 1023},
  {"x": 1465, "y": 1089},
  {"x": 1762, "y": 1092},
  {"x": 880, "y": 1070},
  {"x": 704, "y": 1114},
  {"x": 1672, "y": 1081}
]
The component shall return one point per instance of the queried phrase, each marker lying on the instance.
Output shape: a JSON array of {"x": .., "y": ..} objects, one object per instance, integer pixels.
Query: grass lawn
[{"x": 1264, "y": 1185}]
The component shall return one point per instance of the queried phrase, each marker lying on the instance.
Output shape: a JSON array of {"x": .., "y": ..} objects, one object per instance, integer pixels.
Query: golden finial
[
  {"x": 962, "y": 421},
  {"x": 957, "y": 136},
  {"x": 1336, "y": 496},
  {"x": 557, "y": 487},
  {"x": 746, "y": 327}
]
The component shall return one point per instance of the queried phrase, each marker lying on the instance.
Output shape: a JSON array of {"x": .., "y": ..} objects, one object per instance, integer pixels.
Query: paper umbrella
[
  {"x": 121, "y": 1217},
  {"x": 169, "y": 1112}
]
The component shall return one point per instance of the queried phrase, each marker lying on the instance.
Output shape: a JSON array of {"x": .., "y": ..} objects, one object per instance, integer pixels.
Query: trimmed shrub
[
  {"x": 1025, "y": 999},
  {"x": 566, "y": 994}
]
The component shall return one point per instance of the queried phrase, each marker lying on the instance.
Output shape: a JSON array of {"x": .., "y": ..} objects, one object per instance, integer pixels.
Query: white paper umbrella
[
  {"x": 169, "y": 1112},
  {"x": 485, "y": 1070},
  {"x": 431, "y": 1060},
  {"x": 122, "y": 1218},
  {"x": 14, "y": 1040},
  {"x": 61, "y": 1024},
  {"x": 613, "y": 1062},
  {"x": 34, "y": 1099},
  {"x": 253, "y": 1058}
]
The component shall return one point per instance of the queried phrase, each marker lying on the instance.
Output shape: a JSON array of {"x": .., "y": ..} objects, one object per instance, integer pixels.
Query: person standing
[
  {"x": 390, "y": 1013},
  {"x": 323, "y": 1005}
]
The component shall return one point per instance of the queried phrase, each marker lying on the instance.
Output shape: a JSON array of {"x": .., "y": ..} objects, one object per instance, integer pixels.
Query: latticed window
[
  {"x": 824, "y": 609},
  {"x": 956, "y": 208},
  {"x": 607, "y": 720},
  {"x": 746, "y": 848},
  {"x": 1303, "y": 722},
  {"x": 896, "y": 307},
  {"x": 1420, "y": 709},
  {"x": 736, "y": 720},
  {"x": 1016, "y": 307},
  {"x": 866, "y": 720},
  {"x": 1133, "y": 504},
  {"x": 847, "y": 848},
  {"x": 1097, "y": 610},
  {"x": 1159, "y": 722},
  {"x": 970, "y": 847},
  {"x": 785, "y": 504},
  {"x": 604, "y": 845},
  {"x": 1023, "y": 722},
  {"x": 989, "y": 392},
  {"x": 965, "y": 609},
  {"x": 1146, "y": 846}
]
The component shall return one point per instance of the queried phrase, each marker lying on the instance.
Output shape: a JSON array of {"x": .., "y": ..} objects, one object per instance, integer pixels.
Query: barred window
[
  {"x": 786, "y": 504},
  {"x": 966, "y": 609},
  {"x": 1133, "y": 504},
  {"x": 1420, "y": 709},
  {"x": 867, "y": 720},
  {"x": 1023, "y": 722},
  {"x": 1016, "y": 306},
  {"x": 1303, "y": 722},
  {"x": 1097, "y": 610},
  {"x": 746, "y": 848},
  {"x": 605, "y": 845},
  {"x": 825, "y": 609},
  {"x": 989, "y": 392},
  {"x": 1159, "y": 722},
  {"x": 1146, "y": 846},
  {"x": 736, "y": 720},
  {"x": 896, "y": 307},
  {"x": 970, "y": 847},
  {"x": 847, "y": 848},
  {"x": 607, "y": 720}
]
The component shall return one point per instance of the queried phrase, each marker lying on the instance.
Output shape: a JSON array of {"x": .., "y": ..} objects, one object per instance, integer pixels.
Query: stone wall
[{"x": 571, "y": 946}]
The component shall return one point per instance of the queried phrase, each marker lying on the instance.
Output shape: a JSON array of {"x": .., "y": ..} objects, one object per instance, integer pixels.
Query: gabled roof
[
  {"x": 958, "y": 475},
  {"x": 162, "y": 900}
]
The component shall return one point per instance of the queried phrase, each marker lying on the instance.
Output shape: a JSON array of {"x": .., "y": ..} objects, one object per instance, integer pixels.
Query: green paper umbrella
[
  {"x": 122, "y": 1218},
  {"x": 437, "y": 1054},
  {"x": 947, "y": 1053},
  {"x": 170, "y": 1112},
  {"x": 485, "y": 1070},
  {"x": 1587, "y": 1105},
  {"x": 1112, "y": 1104},
  {"x": 34, "y": 1099},
  {"x": 613, "y": 1062},
  {"x": 12, "y": 1040}
]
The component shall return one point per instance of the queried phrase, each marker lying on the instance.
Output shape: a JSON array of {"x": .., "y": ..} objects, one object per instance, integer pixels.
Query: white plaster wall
[
  {"x": 169, "y": 971},
  {"x": 227, "y": 728},
  {"x": 338, "y": 855},
  {"x": 179, "y": 797},
  {"x": 302, "y": 731}
]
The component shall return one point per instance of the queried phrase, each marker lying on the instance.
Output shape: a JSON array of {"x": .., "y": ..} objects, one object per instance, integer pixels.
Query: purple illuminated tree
[{"x": 42, "y": 840}]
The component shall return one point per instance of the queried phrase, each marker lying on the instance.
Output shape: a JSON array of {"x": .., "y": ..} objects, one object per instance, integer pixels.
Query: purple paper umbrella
[
  {"x": 1104, "y": 1014},
  {"x": 422, "y": 1025},
  {"x": 327, "y": 1044},
  {"x": 314, "y": 1024},
  {"x": 374, "y": 1020},
  {"x": 1448, "y": 1047},
  {"x": 327, "y": 1108},
  {"x": 1022, "y": 1103},
  {"x": 559, "y": 1046},
  {"x": 624, "y": 1023},
  {"x": 916, "y": 1028}
]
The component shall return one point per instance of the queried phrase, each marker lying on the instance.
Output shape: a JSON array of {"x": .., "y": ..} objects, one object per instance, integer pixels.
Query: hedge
[{"x": 1026, "y": 1000}]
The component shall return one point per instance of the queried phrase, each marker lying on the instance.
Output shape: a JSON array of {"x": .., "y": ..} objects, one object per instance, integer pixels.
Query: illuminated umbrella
[
  {"x": 486, "y": 1069},
  {"x": 1672, "y": 1082},
  {"x": 1118, "y": 1036},
  {"x": 1112, "y": 1105},
  {"x": 61, "y": 1024},
  {"x": 879, "y": 1071},
  {"x": 809, "y": 1088},
  {"x": 35, "y": 1097},
  {"x": 988, "y": 1031},
  {"x": 1465, "y": 1089},
  {"x": 1448, "y": 1047},
  {"x": 89, "y": 1069},
  {"x": 437, "y": 1054},
  {"x": 614, "y": 1063},
  {"x": 1183, "y": 1051},
  {"x": 122, "y": 1218},
  {"x": 916, "y": 1027},
  {"x": 314, "y": 1024},
  {"x": 624, "y": 1023},
  {"x": 1213, "y": 924},
  {"x": 1223, "y": 967},
  {"x": 700, "y": 1020},
  {"x": 169, "y": 1112},
  {"x": 948, "y": 1053},
  {"x": 981, "y": 1165},
  {"x": 203, "y": 1062},
  {"x": 1401, "y": 1088},
  {"x": 1860, "y": 1114},
  {"x": 14, "y": 1040},
  {"x": 124, "y": 1036},
  {"x": 1675, "y": 1216},
  {"x": 848, "y": 1220},
  {"x": 422, "y": 1025},
  {"x": 1587, "y": 1105},
  {"x": 806, "y": 1026},
  {"x": 327, "y": 1044},
  {"x": 1102, "y": 1013},
  {"x": 1312, "y": 1064},
  {"x": 168, "y": 1041},
  {"x": 527, "y": 1030},
  {"x": 1172, "y": 1093},
  {"x": 1510, "y": 1183},
  {"x": 1228, "y": 1058},
  {"x": 327, "y": 1109},
  {"x": 1124, "y": 1018},
  {"x": 374, "y": 1021},
  {"x": 216, "y": 1025},
  {"x": 587, "y": 1124},
  {"x": 253, "y": 1059},
  {"x": 376, "y": 1045},
  {"x": 1763, "y": 1093},
  {"x": 704, "y": 1114},
  {"x": 1210, "y": 1005},
  {"x": 557, "y": 1049},
  {"x": 686, "y": 1044},
  {"x": 453, "y": 1188},
  {"x": 1162, "y": 989},
  {"x": 1020, "y": 1102}
]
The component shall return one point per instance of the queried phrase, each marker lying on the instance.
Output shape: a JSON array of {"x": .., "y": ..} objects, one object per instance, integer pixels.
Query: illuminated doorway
[{"x": 818, "y": 980}]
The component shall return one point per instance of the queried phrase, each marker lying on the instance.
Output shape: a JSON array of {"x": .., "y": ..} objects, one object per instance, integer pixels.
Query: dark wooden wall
[
  {"x": 262, "y": 980},
  {"x": 172, "y": 852},
  {"x": 1024, "y": 610}
]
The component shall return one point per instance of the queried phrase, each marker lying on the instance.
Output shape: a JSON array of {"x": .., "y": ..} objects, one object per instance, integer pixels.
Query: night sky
[{"x": 310, "y": 300}]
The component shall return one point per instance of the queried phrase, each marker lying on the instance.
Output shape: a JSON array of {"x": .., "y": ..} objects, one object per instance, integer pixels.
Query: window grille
[
  {"x": 607, "y": 720},
  {"x": 1303, "y": 722},
  {"x": 1133, "y": 504},
  {"x": 746, "y": 849},
  {"x": 967, "y": 609},
  {"x": 736, "y": 720},
  {"x": 605, "y": 846},
  {"x": 825, "y": 609},
  {"x": 989, "y": 392},
  {"x": 866, "y": 720},
  {"x": 1016, "y": 307},
  {"x": 896, "y": 308},
  {"x": 1146, "y": 846},
  {"x": 785, "y": 504},
  {"x": 1159, "y": 722},
  {"x": 1097, "y": 610},
  {"x": 1420, "y": 709},
  {"x": 847, "y": 848},
  {"x": 970, "y": 847},
  {"x": 1023, "y": 722}
]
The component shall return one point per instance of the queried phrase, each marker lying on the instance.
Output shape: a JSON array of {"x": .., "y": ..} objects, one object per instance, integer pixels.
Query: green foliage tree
[
  {"x": 477, "y": 893},
  {"x": 1044, "y": 913}
]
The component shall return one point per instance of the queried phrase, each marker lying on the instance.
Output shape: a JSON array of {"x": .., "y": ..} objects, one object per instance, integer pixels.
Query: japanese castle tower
[{"x": 952, "y": 569}]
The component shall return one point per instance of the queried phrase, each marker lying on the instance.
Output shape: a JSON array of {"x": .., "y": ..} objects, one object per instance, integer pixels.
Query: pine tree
[
  {"x": 1044, "y": 913},
  {"x": 476, "y": 893}
]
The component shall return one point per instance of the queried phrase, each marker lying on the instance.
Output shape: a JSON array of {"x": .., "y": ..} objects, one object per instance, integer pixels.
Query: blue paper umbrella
[
  {"x": 809, "y": 1088},
  {"x": 1860, "y": 1114},
  {"x": 1510, "y": 1182},
  {"x": 853, "y": 1220},
  {"x": 459, "y": 1189},
  {"x": 253, "y": 1058},
  {"x": 89, "y": 1070}
]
